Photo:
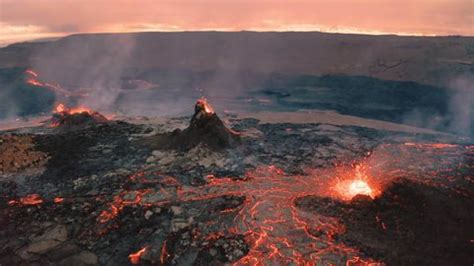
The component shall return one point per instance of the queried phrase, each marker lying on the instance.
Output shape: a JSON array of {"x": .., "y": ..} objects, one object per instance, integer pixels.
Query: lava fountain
[{"x": 355, "y": 181}]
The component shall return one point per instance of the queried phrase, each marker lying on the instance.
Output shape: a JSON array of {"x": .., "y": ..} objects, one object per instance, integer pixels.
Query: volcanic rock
[
  {"x": 48, "y": 241},
  {"x": 361, "y": 200},
  {"x": 18, "y": 153},
  {"x": 224, "y": 250},
  {"x": 83, "y": 258}
]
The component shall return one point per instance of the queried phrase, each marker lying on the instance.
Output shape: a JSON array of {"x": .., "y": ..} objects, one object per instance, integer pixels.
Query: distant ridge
[{"x": 426, "y": 60}]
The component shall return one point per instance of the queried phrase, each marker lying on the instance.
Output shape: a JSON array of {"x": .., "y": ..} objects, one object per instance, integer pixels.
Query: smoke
[
  {"x": 105, "y": 72},
  {"x": 8, "y": 108},
  {"x": 461, "y": 105},
  {"x": 455, "y": 114},
  {"x": 95, "y": 65},
  {"x": 111, "y": 68}
]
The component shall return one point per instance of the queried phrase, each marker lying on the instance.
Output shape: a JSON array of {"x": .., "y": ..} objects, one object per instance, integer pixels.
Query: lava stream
[{"x": 276, "y": 230}]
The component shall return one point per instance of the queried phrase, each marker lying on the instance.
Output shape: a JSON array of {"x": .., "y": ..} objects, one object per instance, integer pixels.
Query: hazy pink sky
[{"x": 30, "y": 19}]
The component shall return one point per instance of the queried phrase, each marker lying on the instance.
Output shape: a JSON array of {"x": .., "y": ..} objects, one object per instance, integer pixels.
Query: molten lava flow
[
  {"x": 34, "y": 80},
  {"x": 432, "y": 145},
  {"x": 276, "y": 230},
  {"x": 135, "y": 257},
  {"x": 127, "y": 199},
  {"x": 32, "y": 199},
  {"x": 32, "y": 73},
  {"x": 164, "y": 253},
  {"x": 58, "y": 200}
]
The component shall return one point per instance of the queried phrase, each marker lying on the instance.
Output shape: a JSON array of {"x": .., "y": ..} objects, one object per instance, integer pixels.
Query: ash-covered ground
[{"x": 245, "y": 191}]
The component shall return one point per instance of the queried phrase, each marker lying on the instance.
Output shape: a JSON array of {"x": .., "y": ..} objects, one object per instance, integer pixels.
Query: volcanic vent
[
  {"x": 205, "y": 128},
  {"x": 63, "y": 116}
]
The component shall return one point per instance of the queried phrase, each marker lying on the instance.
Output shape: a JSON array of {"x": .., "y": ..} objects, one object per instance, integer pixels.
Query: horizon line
[{"x": 54, "y": 37}]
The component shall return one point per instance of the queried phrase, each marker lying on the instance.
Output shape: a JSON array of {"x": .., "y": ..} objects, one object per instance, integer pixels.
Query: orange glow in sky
[{"x": 31, "y": 19}]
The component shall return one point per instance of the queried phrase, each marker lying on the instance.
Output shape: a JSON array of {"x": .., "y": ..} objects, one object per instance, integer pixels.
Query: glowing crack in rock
[
  {"x": 276, "y": 230},
  {"x": 135, "y": 257}
]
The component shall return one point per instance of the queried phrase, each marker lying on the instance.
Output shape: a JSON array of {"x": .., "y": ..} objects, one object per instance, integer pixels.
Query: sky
[{"x": 22, "y": 20}]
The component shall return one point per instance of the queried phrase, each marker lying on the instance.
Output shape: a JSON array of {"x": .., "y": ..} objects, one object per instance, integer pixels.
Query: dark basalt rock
[{"x": 205, "y": 128}]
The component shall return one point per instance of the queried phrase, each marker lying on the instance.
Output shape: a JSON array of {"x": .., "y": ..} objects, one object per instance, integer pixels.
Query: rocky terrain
[{"x": 242, "y": 191}]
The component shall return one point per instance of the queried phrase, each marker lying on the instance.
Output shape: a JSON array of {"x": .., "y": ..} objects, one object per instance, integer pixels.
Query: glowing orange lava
[
  {"x": 61, "y": 108},
  {"x": 119, "y": 203},
  {"x": 204, "y": 104},
  {"x": 354, "y": 182},
  {"x": 32, "y": 73},
  {"x": 135, "y": 257},
  {"x": 35, "y": 82},
  {"x": 34, "y": 79},
  {"x": 432, "y": 145},
  {"x": 58, "y": 200},
  {"x": 32, "y": 199},
  {"x": 265, "y": 218},
  {"x": 276, "y": 230},
  {"x": 360, "y": 187}
]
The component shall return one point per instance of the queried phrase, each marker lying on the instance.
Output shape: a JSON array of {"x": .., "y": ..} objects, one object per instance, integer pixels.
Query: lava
[
  {"x": 32, "y": 199},
  {"x": 128, "y": 199},
  {"x": 135, "y": 257},
  {"x": 360, "y": 187},
  {"x": 432, "y": 145},
  {"x": 164, "y": 253},
  {"x": 63, "y": 115},
  {"x": 275, "y": 229},
  {"x": 58, "y": 200},
  {"x": 203, "y": 104},
  {"x": 34, "y": 82},
  {"x": 33, "y": 78},
  {"x": 61, "y": 108},
  {"x": 32, "y": 73},
  {"x": 355, "y": 181}
]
